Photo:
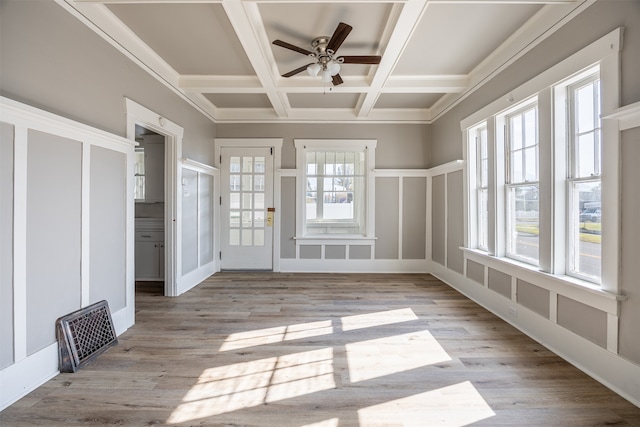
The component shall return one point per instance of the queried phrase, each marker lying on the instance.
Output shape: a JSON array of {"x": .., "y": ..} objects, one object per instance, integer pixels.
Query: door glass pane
[
  {"x": 234, "y": 219},
  {"x": 259, "y": 164},
  {"x": 246, "y": 200},
  {"x": 259, "y": 183},
  {"x": 234, "y": 164},
  {"x": 234, "y": 183},
  {"x": 259, "y": 200},
  {"x": 234, "y": 200},
  {"x": 234, "y": 237},
  {"x": 247, "y": 164},
  {"x": 247, "y": 237},
  {"x": 247, "y": 183},
  {"x": 246, "y": 219},
  {"x": 258, "y": 218}
]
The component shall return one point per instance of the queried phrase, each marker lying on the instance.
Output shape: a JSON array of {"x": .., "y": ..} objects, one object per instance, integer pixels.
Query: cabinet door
[{"x": 148, "y": 260}]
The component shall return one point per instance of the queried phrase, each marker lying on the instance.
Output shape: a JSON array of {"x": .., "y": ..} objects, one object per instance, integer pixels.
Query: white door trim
[
  {"x": 138, "y": 114},
  {"x": 276, "y": 144}
]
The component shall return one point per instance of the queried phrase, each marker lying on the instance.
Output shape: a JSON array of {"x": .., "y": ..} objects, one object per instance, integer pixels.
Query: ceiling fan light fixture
[
  {"x": 314, "y": 69},
  {"x": 334, "y": 68},
  {"x": 326, "y": 76}
]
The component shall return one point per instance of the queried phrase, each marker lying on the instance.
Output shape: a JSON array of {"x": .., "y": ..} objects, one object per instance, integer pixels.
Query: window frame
[
  {"x": 304, "y": 146},
  {"x": 570, "y": 87},
  {"x": 511, "y": 184}
]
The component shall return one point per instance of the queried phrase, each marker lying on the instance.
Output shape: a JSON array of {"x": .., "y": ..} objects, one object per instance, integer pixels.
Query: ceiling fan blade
[
  {"x": 362, "y": 59},
  {"x": 338, "y": 37},
  {"x": 292, "y": 47},
  {"x": 296, "y": 71},
  {"x": 337, "y": 80}
]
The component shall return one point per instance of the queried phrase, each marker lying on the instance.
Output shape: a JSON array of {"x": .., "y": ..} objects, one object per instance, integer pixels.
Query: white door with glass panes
[{"x": 247, "y": 196}]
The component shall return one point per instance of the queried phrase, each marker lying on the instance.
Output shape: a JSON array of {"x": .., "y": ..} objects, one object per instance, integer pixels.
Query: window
[
  {"x": 584, "y": 183},
  {"x": 336, "y": 186},
  {"x": 522, "y": 185},
  {"x": 482, "y": 180},
  {"x": 139, "y": 174},
  {"x": 553, "y": 166}
]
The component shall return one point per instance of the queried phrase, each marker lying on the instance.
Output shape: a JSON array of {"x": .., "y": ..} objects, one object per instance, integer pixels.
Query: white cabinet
[{"x": 149, "y": 252}]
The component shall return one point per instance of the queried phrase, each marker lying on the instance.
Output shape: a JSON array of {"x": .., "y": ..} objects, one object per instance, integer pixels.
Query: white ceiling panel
[
  {"x": 454, "y": 38},
  {"x": 191, "y": 38}
]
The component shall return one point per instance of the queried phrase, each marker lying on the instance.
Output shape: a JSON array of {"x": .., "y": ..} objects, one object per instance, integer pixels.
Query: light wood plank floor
[{"x": 268, "y": 349}]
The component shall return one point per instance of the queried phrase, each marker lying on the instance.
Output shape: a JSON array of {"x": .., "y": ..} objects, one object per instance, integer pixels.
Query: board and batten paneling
[
  {"x": 387, "y": 219},
  {"x": 414, "y": 214},
  {"x": 288, "y": 216},
  {"x": 108, "y": 226},
  {"x": 67, "y": 213},
  {"x": 54, "y": 229},
  {"x": 189, "y": 221},
  {"x": 6, "y": 244},
  {"x": 199, "y": 190}
]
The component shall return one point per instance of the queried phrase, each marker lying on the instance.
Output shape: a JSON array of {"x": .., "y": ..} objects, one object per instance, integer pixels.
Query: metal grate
[{"x": 83, "y": 335}]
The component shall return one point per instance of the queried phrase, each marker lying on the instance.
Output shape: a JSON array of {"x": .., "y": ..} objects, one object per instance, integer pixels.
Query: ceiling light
[{"x": 314, "y": 69}]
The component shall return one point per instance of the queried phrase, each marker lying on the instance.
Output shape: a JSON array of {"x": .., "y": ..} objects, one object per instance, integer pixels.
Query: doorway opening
[
  {"x": 167, "y": 137},
  {"x": 149, "y": 194}
]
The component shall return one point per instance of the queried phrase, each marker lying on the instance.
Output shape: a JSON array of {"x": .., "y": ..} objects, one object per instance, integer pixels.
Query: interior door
[{"x": 247, "y": 195}]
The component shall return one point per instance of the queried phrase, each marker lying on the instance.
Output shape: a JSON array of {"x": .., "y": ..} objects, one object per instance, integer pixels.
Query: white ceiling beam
[
  {"x": 322, "y": 115},
  {"x": 407, "y": 20},
  {"x": 247, "y": 24}
]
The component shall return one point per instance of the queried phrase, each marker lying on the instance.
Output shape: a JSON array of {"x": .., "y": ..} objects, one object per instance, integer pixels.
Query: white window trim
[
  {"x": 604, "y": 52},
  {"x": 366, "y": 145}
]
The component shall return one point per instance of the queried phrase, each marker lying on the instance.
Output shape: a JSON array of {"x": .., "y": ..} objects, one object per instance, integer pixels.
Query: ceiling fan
[{"x": 324, "y": 51}]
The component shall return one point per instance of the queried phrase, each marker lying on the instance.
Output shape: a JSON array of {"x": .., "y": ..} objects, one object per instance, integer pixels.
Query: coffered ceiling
[{"x": 219, "y": 56}]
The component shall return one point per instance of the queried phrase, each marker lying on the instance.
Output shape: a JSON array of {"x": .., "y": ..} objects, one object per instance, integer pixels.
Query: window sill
[{"x": 580, "y": 290}]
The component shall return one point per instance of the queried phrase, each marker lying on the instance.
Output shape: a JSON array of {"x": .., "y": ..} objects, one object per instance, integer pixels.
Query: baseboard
[
  {"x": 289, "y": 265},
  {"x": 611, "y": 370},
  {"x": 22, "y": 377},
  {"x": 195, "y": 277}
]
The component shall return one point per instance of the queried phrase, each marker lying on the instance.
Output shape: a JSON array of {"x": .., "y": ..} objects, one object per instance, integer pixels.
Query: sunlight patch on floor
[
  {"x": 266, "y": 336},
  {"x": 370, "y": 320},
  {"x": 453, "y": 406},
  {"x": 394, "y": 354},
  {"x": 243, "y": 385},
  {"x": 333, "y": 422}
]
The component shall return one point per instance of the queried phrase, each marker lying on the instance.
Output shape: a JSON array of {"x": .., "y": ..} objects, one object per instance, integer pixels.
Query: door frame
[
  {"x": 276, "y": 144},
  {"x": 142, "y": 116}
]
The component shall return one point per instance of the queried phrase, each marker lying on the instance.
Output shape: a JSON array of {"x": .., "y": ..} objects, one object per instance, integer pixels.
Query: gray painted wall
[
  {"x": 52, "y": 61},
  {"x": 399, "y": 146},
  {"x": 595, "y": 22}
]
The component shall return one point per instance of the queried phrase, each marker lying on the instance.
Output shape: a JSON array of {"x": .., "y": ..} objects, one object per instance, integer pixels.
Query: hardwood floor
[{"x": 269, "y": 349}]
